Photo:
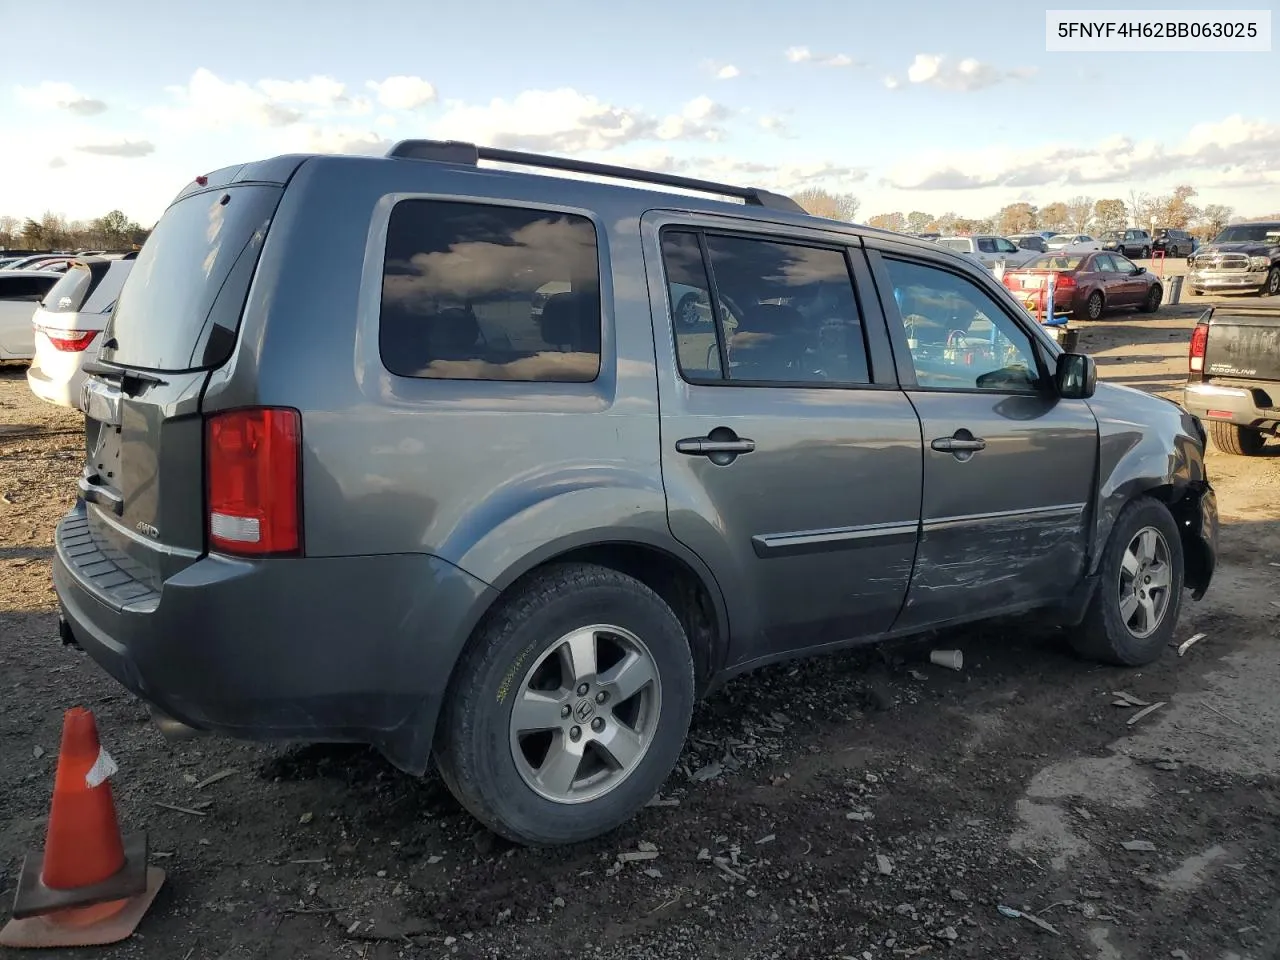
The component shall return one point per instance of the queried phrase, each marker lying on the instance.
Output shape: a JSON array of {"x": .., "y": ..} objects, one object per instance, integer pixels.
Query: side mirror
[
  {"x": 1138, "y": 270},
  {"x": 1077, "y": 376}
]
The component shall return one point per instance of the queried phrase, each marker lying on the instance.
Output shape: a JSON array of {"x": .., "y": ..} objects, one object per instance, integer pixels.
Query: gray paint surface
[{"x": 423, "y": 499}]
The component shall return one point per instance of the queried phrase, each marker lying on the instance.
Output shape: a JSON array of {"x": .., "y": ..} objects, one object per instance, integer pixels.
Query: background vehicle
[
  {"x": 1086, "y": 284},
  {"x": 1075, "y": 242},
  {"x": 1233, "y": 378},
  {"x": 1243, "y": 257},
  {"x": 283, "y": 468},
  {"x": 988, "y": 250},
  {"x": 68, "y": 323},
  {"x": 20, "y": 292},
  {"x": 1129, "y": 243},
  {"x": 1174, "y": 242},
  {"x": 29, "y": 261},
  {"x": 1030, "y": 241}
]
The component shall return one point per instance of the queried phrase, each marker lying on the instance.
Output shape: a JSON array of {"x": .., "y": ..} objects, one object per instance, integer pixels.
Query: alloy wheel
[
  {"x": 586, "y": 714},
  {"x": 1144, "y": 582}
]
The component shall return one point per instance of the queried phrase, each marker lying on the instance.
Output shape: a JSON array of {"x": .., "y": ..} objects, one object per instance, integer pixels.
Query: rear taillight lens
[
  {"x": 1199, "y": 346},
  {"x": 69, "y": 341},
  {"x": 253, "y": 473},
  {"x": 1064, "y": 281}
]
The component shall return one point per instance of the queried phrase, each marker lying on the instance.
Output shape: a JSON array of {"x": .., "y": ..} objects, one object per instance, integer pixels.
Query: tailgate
[
  {"x": 176, "y": 319},
  {"x": 1244, "y": 346}
]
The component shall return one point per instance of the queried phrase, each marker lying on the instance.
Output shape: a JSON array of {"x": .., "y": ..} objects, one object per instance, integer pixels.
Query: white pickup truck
[{"x": 990, "y": 250}]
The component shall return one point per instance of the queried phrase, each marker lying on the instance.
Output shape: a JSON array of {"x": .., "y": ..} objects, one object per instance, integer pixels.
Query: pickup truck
[
  {"x": 1244, "y": 257},
  {"x": 1233, "y": 378}
]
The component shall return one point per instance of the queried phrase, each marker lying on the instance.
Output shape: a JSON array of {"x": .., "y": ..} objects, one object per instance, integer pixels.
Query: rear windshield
[
  {"x": 180, "y": 307},
  {"x": 87, "y": 288},
  {"x": 1250, "y": 233},
  {"x": 957, "y": 244},
  {"x": 1054, "y": 262}
]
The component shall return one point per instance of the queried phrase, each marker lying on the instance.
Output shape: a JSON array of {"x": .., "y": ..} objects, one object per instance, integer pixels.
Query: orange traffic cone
[{"x": 91, "y": 886}]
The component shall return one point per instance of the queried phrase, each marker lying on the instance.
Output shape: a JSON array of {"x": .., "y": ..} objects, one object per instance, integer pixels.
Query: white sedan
[
  {"x": 989, "y": 250},
  {"x": 1075, "y": 242}
]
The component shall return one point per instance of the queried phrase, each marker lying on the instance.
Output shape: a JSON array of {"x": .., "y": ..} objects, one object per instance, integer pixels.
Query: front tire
[
  {"x": 569, "y": 707},
  {"x": 1135, "y": 606},
  {"x": 1236, "y": 440},
  {"x": 1154, "y": 297},
  {"x": 1272, "y": 286}
]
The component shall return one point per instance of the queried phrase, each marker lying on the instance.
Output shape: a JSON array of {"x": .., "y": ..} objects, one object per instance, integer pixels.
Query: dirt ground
[{"x": 867, "y": 805}]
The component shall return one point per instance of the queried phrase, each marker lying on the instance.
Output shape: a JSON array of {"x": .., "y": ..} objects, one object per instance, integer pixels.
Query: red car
[{"x": 1085, "y": 284}]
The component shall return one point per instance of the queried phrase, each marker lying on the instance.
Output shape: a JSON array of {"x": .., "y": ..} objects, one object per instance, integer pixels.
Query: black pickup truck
[
  {"x": 1244, "y": 257},
  {"x": 1233, "y": 378}
]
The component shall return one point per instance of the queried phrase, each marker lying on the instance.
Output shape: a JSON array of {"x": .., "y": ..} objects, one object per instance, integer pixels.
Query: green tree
[
  {"x": 1213, "y": 218},
  {"x": 1110, "y": 215},
  {"x": 32, "y": 233},
  {"x": 1055, "y": 216},
  {"x": 918, "y": 221}
]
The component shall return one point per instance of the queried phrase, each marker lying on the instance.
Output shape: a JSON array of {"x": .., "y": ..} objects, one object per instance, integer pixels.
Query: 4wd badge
[{"x": 148, "y": 529}]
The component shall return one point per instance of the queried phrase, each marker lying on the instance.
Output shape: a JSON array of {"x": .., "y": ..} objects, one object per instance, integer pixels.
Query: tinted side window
[
  {"x": 689, "y": 292},
  {"x": 1104, "y": 264},
  {"x": 986, "y": 246},
  {"x": 959, "y": 338},
  {"x": 479, "y": 292},
  {"x": 26, "y": 288},
  {"x": 788, "y": 312}
]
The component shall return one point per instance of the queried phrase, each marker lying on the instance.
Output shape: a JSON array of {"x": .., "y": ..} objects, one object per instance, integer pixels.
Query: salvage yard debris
[
  {"x": 1019, "y": 915},
  {"x": 1142, "y": 713},
  {"x": 1189, "y": 643}
]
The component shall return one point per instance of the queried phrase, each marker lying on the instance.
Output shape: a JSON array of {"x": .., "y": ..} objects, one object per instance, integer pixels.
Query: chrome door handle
[
  {"x": 958, "y": 445},
  {"x": 702, "y": 446}
]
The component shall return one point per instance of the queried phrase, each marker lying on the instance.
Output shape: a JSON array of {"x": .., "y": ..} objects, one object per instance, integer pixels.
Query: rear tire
[
  {"x": 560, "y": 633},
  {"x": 1093, "y": 307},
  {"x": 1236, "y": 440},
  {"x": 1146, "y": 254},
  {"x": 1121, "y": 626}
]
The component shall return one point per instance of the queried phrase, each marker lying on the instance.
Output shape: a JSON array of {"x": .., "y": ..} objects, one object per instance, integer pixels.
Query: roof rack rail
[{"x": 457, "y": 151}]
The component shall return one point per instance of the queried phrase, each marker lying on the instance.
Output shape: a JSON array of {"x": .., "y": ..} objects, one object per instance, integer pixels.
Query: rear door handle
[
  {"x": 703, "y": 446},
  {"x": 958, "y": 445}
]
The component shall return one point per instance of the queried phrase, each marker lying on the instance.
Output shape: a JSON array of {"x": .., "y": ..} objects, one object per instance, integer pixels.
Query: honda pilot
[{"x": 502, "y": 469}]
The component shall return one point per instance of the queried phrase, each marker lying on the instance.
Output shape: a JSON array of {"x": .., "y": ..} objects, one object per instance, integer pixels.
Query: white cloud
[
  {"x": 313, "y": 138},
  {"x": 805, "y": 55},
  {"x": 773, "y": 124},
  {"x": 317, "y": 91},
  {"x": 208, "y": 102},
  {"x": 120, "y": 148},
  {"x": 565, "y": 120},
  {"x": 1236, "y": 151},
  {"x": 403, "y": 93},
  {"x": 966, "y": 75},
  {"x": 728, "y": 72},
  {"x": 51, "y": 95}
]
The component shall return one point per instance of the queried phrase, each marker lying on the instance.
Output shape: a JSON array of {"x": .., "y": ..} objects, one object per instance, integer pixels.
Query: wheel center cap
[{"x": 584, "y": 711}]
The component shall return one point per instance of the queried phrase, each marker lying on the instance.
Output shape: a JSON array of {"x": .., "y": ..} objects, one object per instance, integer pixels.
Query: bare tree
[
  {"x": 1213, "y": 218},
  {"x": 1140, "y": 208},
  {"x": 1080, "y": 213},
  {"x": 822, "y": 203},
  {"x": 114, "y": 231}
]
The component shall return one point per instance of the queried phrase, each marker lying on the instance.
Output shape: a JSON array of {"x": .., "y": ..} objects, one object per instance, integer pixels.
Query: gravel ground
[{"x": 866, "y": 805}]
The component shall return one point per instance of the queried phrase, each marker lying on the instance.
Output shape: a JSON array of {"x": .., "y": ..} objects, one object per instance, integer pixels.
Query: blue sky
[{"x": 937, "y": 106}]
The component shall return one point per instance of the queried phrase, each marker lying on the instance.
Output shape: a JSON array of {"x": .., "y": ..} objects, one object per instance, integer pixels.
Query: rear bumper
[
  {"x": 355, "y": 649},
  {"x": 60, "y": 387},
  {"x": 1246, "y": 406}
]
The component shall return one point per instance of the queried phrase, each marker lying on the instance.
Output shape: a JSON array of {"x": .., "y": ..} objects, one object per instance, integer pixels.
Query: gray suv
[{"x": 506, "y": 469}]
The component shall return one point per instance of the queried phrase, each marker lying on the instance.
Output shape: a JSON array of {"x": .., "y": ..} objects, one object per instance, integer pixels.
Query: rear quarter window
[{"x": 486, "y": 292}]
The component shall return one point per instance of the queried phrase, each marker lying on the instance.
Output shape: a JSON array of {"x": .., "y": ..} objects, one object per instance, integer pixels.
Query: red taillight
[
  {"x": 69, "y": 341},
  {"x": 1199, "y": 346},
  {"x": 1063, "y": 281},
  {"x": 252, "y": 462}
]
